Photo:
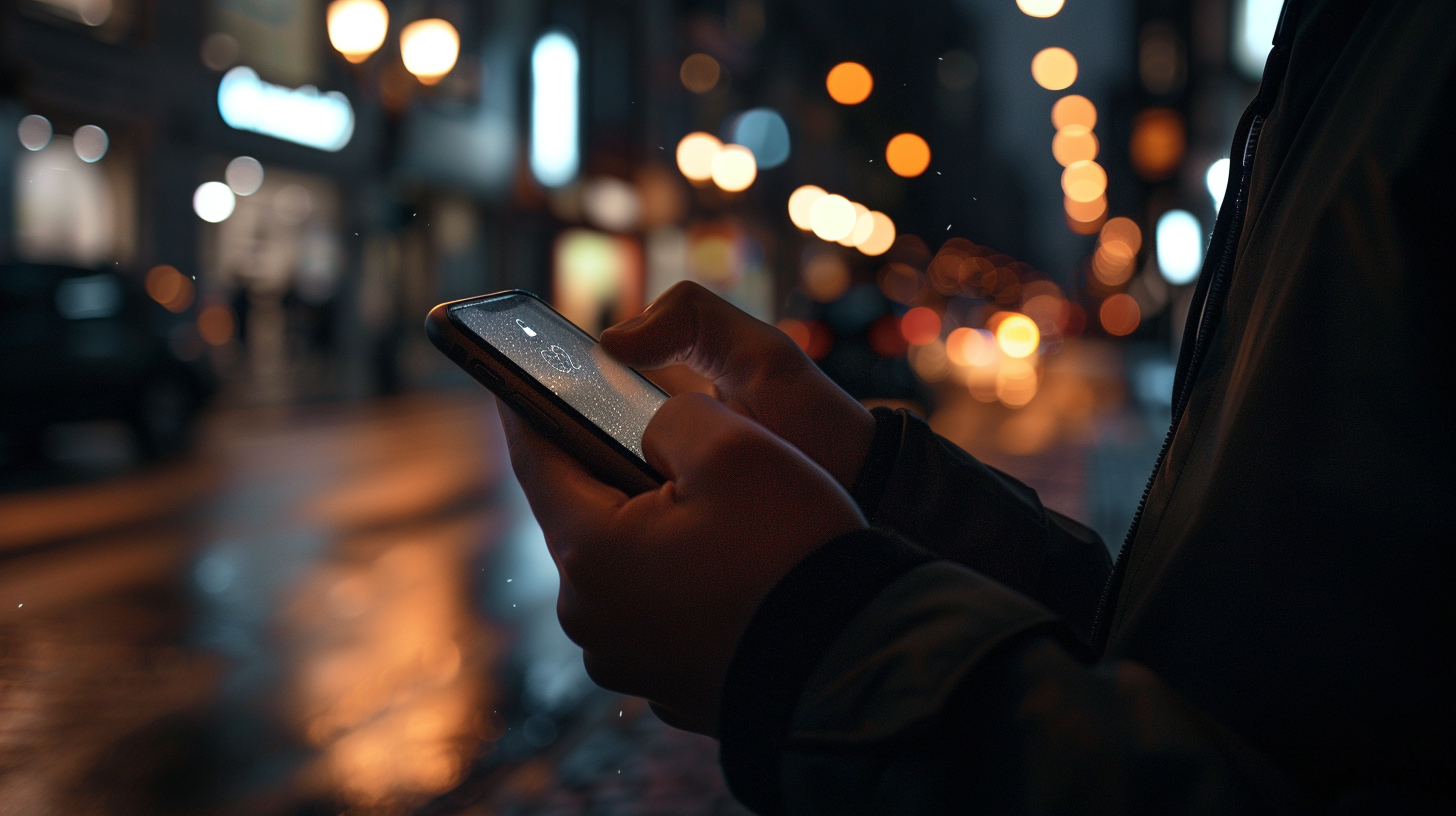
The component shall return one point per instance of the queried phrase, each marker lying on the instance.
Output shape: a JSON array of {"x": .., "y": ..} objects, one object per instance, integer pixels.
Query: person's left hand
[{"x": 658, "y": 588}]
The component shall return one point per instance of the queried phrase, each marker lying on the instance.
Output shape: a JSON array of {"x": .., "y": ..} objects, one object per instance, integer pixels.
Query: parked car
[{"x": 85, "y": 344}]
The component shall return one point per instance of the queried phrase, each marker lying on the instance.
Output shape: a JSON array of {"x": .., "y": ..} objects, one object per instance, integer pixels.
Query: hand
[
  {"x": 754, "y": 368},
  {"x": 658, "y": 588}
]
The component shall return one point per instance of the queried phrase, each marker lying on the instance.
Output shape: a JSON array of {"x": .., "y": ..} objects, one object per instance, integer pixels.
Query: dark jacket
[{"x": 1277, "y": 634}]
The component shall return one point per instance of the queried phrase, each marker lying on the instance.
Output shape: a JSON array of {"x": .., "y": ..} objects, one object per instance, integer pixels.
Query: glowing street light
[
  {"x": 357, "y": 27},
  {"x": 429, "y": 49}
]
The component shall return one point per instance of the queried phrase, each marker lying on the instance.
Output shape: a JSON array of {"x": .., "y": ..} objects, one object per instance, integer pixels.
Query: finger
[
  {"x": 691, "y": 325},
  {"x": 567, "y": 500},
  {"x": 689, "y": 429}
]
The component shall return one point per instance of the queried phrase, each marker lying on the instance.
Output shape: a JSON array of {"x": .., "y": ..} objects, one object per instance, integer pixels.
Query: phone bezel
[{"x": 560, "y": 406}]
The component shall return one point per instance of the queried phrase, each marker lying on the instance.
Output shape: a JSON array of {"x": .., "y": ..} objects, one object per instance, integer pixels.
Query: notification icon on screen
[{"x": 530, "y": 332}]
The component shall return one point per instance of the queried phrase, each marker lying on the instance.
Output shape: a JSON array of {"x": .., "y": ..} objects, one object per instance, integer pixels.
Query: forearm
[{"x": 924, "y": 488}]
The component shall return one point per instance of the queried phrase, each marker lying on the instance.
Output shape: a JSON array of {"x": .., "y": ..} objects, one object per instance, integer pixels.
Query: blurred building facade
[{"x": 546, "y": 157}]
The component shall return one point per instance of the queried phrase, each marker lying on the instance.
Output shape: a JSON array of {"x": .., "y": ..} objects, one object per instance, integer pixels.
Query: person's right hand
[{"x": 754, "y": 368}]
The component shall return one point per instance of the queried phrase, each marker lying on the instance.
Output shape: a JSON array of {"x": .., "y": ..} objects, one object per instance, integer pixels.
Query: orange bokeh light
[
  {"x": 215, "y": 324},
  {"x": 1074, "y": 109},
  {"x": 1017, "y": 335},
  {"x": 849, "y": 83},
  {"x": 1124, "y": 230},
  {"x": 699, "y": 73},
  {"x": 1085, "y": 211},
  {"x": 1084, "y": 181},
  {"x": 1074, "y": 143},
  {"x": 1054, "y": 68},
  {"x": 908, "y": 155},
  {"x": 920, "y": 325},
  {"x": 1120, "y": 315},
  {"x": 1113, "y": 263},
  {"x": 170, "y": 288},
  {"x": 1158, "y": 143},
  {"x": 695, "y": 154}
]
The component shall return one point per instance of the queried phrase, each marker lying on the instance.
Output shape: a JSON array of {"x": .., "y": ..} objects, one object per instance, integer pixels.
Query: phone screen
[{"x": 564, "y": 359}]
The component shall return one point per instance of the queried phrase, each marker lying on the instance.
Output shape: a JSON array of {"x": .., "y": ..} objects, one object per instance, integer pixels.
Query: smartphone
[{"x": 557, "y": 378}]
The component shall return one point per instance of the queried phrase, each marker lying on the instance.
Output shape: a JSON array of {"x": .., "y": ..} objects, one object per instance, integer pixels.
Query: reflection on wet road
[{"x": 347, "y": 609}]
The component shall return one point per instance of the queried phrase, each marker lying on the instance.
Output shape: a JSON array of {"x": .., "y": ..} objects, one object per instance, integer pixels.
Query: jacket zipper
[{"x": 1202, "y": 337}]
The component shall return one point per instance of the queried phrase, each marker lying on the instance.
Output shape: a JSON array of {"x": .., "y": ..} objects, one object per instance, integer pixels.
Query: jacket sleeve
[
  {"x": 876, "y": 678},
  {"x": 923, "y": 487}
]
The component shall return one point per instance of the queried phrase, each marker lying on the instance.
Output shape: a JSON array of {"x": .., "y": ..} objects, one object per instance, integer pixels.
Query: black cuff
[
  {"x": 784, "y": 642},
  {"x": 879, "y": 463}
]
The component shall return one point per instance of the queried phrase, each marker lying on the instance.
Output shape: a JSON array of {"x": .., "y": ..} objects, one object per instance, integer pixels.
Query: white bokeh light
[
  {"x": 555, "y": 153},
  {"x": 213, "y": 202},
  {"x": 90, "y": 143},
  {"x": 1180, "y": 246},
  {"x": 1217, "y": 180}
]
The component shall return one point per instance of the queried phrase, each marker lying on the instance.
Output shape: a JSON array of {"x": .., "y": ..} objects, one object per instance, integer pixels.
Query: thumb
[
  {"x": 688, "y": 324},
  {"x": 689, "y": 431}
]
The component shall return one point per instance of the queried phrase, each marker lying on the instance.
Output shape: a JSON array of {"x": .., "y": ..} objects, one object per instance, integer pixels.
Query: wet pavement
[
  {"x": 334, "y": 609},
  {"x": 348, "y": 608}
]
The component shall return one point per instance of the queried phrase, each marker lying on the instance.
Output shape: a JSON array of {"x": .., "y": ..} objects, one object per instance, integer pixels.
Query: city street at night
[
  {"x": 725, "y": 407},
  {"x": 346, "y": 608}
]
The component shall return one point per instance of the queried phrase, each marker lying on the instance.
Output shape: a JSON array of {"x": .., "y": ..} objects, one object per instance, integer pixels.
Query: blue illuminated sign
[{"x": 300, "y": 115}]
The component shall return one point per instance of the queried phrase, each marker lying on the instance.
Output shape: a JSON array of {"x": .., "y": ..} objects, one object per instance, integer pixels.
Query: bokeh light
[
  {"x": 1074, "y": 109},
  {"x": 763, "y": 131},
  {"x": 1084, "y": 181},
  {"x": 34, "y": 132},
  {"x": 699, "y": 73},
  {"x": 1054, "y": 68},
  {"x": 1217, "y": 180},
  {"x": 734, "y": 168},
  {"x": 244, "y": 175},
  {"x": 860, "y": 211},
  {"x": 90, "y": 143},
  {"x": 1016, "y": 383},
  {"x": 1074, "y": 143},
  {"x": 908, "y": 155},
  {"x": 1017, "y": 335},
  {"x": 1086, "y": 212},
  {"x": 1120, "y": 315},
  {"x": 1179, "y": 241},
  {"x": 864, "y": 225},
  {"x": 929, "y": 362},
  {"x": 881, "y": 237},
  {"x": 825, "y": 276},
  {"x": 1113, "y": 262},
  {"x": 171, "y": 288},
  {"x": 1125, "y": 230},
  {"x": 1158, "y": 143},
  {"x": 555, "y": 115},
  {"x": 920, "y": 325},
  {"x": 695, "y": 154},
  {"x": 215, "y": 324},
  {"x": 832, "y": 217},
  {"x": 1040, "y": 8},
  {"x": 971, "y": 347},
  {"x": 213, "y": 201},
  {"x": 357, "y": 27},
  {"x": 429, "y": 49},
  {"x": 800, "y": 202},
  {"x": 849, "y": 83},
  {"x": 901, "y": 283},
  {"x": 885, "y": 338}
]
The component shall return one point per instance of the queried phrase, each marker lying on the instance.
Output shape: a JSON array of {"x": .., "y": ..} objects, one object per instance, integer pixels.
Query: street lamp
[
  {"x": 357, "y": 27},
  {"x": 429, "y": 49}
]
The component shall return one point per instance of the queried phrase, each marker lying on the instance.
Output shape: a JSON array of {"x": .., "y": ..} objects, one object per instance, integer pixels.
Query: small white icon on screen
[
  {"x": 560, "y": 360},
  {"x": 530, "y": 332}
]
